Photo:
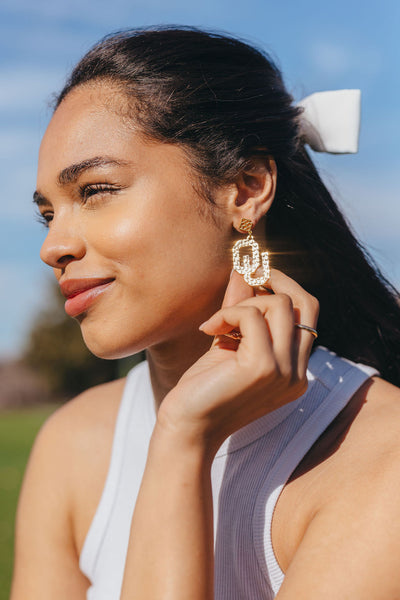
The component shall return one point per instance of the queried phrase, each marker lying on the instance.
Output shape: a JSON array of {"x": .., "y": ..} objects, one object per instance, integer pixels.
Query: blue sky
[{"x": 319, "y": 45}]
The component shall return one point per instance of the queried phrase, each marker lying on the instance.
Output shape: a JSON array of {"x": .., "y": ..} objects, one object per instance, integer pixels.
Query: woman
[{"x": 166, "y": 148}]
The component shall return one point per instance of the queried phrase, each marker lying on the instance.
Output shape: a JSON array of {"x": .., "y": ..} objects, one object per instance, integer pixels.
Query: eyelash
[
  {"x": 91, "y": 189},
  {"x": 86, "y": 191},
  {"x": 43, "y": 219}
]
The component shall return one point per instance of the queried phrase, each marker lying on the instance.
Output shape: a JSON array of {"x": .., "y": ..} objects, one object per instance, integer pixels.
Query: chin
[
  {"x": 119, "y": 334},
  {"x": 109, "y": 347}
]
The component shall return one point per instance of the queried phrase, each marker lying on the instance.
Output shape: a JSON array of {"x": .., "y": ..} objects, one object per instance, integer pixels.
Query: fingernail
[
  {"x": 201, "y": 327},
  {"x": 231, "y": 273}
]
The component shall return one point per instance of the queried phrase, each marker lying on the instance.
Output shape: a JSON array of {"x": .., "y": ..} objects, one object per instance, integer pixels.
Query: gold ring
[
  {"x": 263, "y": 288},
  {"x": 307, "y": 328},
  {"x": 235, "y": 335}
]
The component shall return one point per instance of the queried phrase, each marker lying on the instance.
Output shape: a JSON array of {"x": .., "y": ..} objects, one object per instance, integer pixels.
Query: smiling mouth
[{"x": 82, "y": 293}]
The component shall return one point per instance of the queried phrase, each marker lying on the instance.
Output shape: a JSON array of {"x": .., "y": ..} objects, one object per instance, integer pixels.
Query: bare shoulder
[
  {"x": 348, "y": 544},
  {"x": 80, "y": 435},
  {"x": 368, "y": 455},
  {"x": 91, "y": 408},
  {"x": 72, "y": 447},
  {"x": 371, "y": 446},
  {"x": 76, "y": 425},
  {"x": 381, "y": 392},
  {"x": 363, "y": 437},
  {"x": 356, "y": 456},
  {"x": 372, "y": 423},
  {"x": 72, "y": 436},
  {"x": 360, "y": 450}
]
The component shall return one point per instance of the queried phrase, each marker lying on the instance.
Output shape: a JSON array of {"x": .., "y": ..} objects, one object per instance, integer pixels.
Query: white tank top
[{"x": 248, "y": 475}]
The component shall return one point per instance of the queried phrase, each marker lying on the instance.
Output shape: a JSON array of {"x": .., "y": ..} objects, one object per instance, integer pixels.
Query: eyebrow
[
  {"x": 39, "y": 199},
  {"x": 71, "y": 174}
]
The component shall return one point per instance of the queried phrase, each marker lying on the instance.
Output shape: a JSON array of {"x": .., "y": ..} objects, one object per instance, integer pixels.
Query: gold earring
[{"x": 248, "y": 267}]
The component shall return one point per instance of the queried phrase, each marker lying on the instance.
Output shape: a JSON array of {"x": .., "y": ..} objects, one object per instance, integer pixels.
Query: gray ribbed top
[{"x": 248, "y": 474}]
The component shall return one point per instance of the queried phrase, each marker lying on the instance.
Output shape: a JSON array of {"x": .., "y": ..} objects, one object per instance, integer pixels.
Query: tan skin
[{"x": 157, "y": 300}]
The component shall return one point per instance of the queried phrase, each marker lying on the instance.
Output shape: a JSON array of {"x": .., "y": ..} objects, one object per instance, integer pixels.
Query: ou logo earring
[{"x": 249, "y": 266}]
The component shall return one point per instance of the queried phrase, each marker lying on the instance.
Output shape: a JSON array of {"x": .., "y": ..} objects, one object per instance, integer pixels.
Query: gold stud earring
[{"x": 249, "y": 266}]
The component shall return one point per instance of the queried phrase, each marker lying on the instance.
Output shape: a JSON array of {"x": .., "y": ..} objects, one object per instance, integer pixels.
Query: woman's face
[{"x": 133, "y": 246}]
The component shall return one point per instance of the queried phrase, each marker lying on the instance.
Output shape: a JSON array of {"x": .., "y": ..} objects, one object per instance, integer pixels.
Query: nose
[{"x": 62, "y": 245}]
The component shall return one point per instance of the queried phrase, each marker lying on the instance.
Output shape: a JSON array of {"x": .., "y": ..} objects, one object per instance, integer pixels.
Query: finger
[
  {"x": 303, "y": 338},
  {"x": 263, "y": 303},
  {"x": 237, "y": 290},
  {"x": 280, "y": 319},
  {"x": 283, "y": 284},
  {"x": 262, "y": 290},
  {"x": 305, "y": 310},
  {"x": 249, "y": 320},
  {"x": 279, "y": 316}
]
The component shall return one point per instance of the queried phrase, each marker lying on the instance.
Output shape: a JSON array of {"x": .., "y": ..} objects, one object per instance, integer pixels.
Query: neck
[{"x": 169, "y": 360}]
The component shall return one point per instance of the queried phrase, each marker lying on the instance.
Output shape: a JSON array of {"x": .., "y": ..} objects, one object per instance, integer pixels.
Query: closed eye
[{"x": 86, "y": 191}]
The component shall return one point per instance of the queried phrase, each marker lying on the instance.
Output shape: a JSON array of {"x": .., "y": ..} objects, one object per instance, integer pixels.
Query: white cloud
[
  {"x": 330, "y": 57},
  {"x": 338, "y": 58}
]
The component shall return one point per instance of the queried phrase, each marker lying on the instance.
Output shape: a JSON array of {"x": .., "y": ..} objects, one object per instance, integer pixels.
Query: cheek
[
  {"x": 119, "y": 236},
  {"x": 178, "y": 255},
  {"x": 114, "y": 237},
  {"x": 168, "y": 281}
]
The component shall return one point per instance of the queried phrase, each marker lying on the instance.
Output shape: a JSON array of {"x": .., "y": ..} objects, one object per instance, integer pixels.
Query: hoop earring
[{"x": 248, "y": 267}]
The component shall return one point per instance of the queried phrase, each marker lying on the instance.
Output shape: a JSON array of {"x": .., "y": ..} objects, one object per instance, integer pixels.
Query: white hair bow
[{"x": 331, "y": 121}]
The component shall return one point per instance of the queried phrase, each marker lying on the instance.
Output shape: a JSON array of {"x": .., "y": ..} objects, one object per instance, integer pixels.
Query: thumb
[{"x": 236, "y": 291}]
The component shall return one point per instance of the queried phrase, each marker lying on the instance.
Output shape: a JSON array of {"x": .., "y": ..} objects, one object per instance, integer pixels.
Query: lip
[{"x": 82, "y": 293}]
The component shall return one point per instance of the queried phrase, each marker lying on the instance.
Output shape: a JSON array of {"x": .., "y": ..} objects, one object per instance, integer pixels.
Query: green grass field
[{"x": 17, "y": 432}]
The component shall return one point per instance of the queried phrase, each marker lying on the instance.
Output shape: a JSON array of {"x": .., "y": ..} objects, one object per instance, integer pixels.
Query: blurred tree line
[{"x": 55, "y": 351}]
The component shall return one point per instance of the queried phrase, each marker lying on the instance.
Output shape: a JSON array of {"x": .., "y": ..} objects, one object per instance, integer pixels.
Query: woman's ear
[{"x": 254, "y": 190}]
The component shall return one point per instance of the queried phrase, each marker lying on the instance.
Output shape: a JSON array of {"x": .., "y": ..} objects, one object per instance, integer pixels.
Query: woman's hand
[
  {"x": 170, "y": 552},
  {"x": 236, "y": 382}
]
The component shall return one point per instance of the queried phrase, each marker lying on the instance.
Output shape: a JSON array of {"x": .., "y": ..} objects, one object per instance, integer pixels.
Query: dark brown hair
[{"x": 224, "y": 101}]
